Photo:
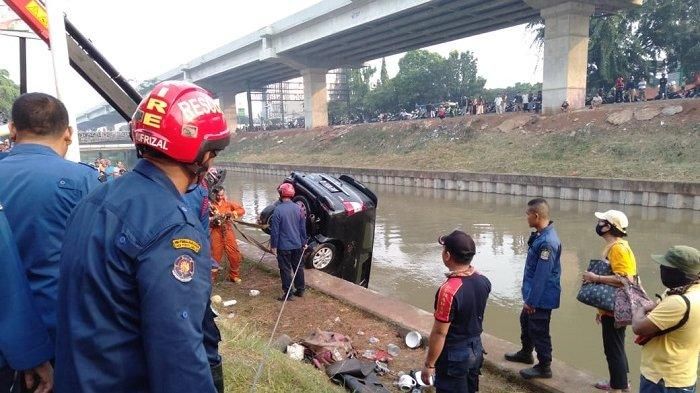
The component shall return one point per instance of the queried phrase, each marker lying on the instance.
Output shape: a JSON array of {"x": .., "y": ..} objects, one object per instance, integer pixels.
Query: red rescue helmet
[
  {"x": 286, "y": 190},
  {"x": 179, "y": 120}
]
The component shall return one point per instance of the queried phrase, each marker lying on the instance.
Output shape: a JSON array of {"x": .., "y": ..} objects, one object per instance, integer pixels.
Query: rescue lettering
[
  {"x": 196, "y": 107},
  {"x": 152, "y": 120},
  {"x": 151, "y": 140}
]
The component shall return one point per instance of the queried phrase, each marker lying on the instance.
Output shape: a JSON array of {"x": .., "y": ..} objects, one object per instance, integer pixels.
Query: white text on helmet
[
  {"x": 195, "y": 107},
  {"x": 152, "y": 141}
]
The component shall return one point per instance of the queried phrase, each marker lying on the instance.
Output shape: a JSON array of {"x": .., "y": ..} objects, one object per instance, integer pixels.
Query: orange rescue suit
[{"x": 222, "y": 236}]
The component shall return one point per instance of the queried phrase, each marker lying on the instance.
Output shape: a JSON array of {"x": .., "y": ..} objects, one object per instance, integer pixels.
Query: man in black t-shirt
[{"x": 455, "y": 353}]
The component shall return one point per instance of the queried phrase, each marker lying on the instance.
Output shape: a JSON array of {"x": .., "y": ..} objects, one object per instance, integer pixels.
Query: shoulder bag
[{"x": 598, "y": 295}]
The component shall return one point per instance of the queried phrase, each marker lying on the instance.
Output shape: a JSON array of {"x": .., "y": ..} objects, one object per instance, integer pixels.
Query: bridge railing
[{"x": 103, "y": 136}]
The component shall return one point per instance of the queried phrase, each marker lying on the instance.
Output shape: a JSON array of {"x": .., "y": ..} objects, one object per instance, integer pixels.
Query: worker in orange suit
[{"x": 222, "y": 236}]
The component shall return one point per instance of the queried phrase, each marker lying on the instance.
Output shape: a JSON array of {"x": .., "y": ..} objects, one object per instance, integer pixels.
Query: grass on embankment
[
  {"x": 243, "y": 349},
  {"x": 574, "y": 144}
]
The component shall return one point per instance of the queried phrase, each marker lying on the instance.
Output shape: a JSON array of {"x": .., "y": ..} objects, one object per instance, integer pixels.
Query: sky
[{"x": 145, "y": 38}]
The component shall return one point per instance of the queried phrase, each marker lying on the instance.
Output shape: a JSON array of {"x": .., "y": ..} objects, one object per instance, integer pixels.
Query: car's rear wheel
[{"x": 324, "y": 257}]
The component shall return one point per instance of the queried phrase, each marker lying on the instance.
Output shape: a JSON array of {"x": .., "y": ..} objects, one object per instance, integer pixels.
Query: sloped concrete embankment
[
  {"x": 669, "y": 194},
  {"x": 567, "y": 378}
]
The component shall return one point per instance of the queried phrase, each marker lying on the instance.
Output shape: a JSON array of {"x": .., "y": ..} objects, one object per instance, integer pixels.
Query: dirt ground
[{"x": 316, "y": 310}]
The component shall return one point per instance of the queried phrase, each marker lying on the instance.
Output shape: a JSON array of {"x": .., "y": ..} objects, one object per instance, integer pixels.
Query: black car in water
[{"x": 340, "y": 217}]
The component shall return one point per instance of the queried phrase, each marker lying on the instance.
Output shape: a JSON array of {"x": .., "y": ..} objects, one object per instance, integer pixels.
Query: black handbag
[{"x": 598, "y": 295}]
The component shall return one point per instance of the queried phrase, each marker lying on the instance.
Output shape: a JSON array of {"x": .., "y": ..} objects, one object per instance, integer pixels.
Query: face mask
[
  {"x": 673, "y": 278},
  {"x": 599, "y": 229}
]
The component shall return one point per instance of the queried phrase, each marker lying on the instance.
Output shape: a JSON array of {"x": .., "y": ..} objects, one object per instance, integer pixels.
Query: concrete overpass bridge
[{"x": 341, "y": 33}]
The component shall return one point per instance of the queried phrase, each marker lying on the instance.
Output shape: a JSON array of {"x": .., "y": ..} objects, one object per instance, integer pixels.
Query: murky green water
[{"x": 407, "y": 262}]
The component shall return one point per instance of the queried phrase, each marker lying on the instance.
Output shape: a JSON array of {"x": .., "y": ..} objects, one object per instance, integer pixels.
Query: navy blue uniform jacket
[
  {"x": 134, "y": 286},
  {"x": 39, "y": 188},
  {"x": 24, "y": 340},
  {"x": 287, "y": 227},
  {"x": 542, "y": 277}
]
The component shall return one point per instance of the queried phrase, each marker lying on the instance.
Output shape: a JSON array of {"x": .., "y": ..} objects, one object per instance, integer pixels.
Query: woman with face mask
[{"x": 612, "y": 227}]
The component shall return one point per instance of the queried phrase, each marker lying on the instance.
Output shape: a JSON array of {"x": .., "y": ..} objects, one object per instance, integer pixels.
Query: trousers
[
  {"x": 458, "y": 368},
  {"x": 223, "y": 240},
  {"x": 646, "y": 386},
  {"x": 614, "y": 348},
  {"x": 288, "y": 261},
  {"x": 534, "y": 334}
]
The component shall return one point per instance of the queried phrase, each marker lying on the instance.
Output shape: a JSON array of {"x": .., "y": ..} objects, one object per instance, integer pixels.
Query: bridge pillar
[
  {"x": 315, "y": 97},
  {"x": 565, "y": 53},
  {"x": 227, "y": 101}
]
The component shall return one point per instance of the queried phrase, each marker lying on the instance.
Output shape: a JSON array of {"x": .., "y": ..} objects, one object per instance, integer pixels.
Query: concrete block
[
  {"x": 550, "y": 192},
  {"x": 568, "y": 193},
  {"x": 502, "y": 188},
  {"x": 438, "y": 184},
  {"x": 674, "y": 201},
  {"x": 450, "y": 185},
  {"x": 462, "y": 185},
  {"x": 605, "y": 196},
  {"x": 534, "y": 191},
  {"x": 587, "y": 194},
  {"x": 474, "y": 186},
  {"x": 517, "y": 189}
]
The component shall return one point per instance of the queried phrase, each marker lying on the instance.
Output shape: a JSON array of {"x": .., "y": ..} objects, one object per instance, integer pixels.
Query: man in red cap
[
  {"x": 455, "y": 353},
  {"x": 288, "y": 240}
]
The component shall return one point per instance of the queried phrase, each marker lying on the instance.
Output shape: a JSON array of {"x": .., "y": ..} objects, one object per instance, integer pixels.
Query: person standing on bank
[
  {"x": 455, "y": 353},
  {"x": 24, "y": 341},
  {"x": 288, "y": 241},
  {"x": 223, "y": 239},
  {"x": 612, "y": 227},
  {"x": 541, "y": 292},
  {"x": 40, "y": 188},
  {"x": 669, "y": 331},
  {"x": 135, "y": 270}
]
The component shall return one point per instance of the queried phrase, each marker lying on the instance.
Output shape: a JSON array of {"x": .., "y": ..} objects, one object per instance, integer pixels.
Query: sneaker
[
  {"x": 538, "y": 371},
  {"x": 299, "y": 293},
  {"x": 520, "y": 357},
  {"x": 281, "y": 298},
  {"x": 605, "y": 385}
]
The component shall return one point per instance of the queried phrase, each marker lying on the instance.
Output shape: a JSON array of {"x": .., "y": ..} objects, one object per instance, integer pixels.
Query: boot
[
  {"x": 217, "y": 373},
  {"x": 521, "y": 356},
  {"x": 538, "y": 371}
]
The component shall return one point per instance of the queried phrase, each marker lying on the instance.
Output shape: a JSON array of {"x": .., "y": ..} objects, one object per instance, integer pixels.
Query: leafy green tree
[
  {"x": 671, "y": 29},
  {"x": 9, "y": 91},
  {"x": 383, "y": 73}
]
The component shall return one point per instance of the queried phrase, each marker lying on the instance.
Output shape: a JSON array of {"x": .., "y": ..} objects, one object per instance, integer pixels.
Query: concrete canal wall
[{"x": 669, "y": 194}]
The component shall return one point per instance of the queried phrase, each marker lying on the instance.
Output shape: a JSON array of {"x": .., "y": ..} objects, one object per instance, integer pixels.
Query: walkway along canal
[{"x": 407, "y": 261}]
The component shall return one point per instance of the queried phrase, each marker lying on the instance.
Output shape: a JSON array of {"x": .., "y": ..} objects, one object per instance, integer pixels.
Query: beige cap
[{"x": 617, "y": 218}]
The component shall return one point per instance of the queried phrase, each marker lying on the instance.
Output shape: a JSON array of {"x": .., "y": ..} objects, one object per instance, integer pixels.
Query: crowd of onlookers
[
  {"x": 107, "y": 170},
  {"x": 5, "y": 146}
]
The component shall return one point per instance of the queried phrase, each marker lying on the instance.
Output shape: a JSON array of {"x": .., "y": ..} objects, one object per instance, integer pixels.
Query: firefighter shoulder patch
[
  {"x": 187, "y": 243},
  {"x": 544, "y": 254},
  {"x": 183, "y": 268}
]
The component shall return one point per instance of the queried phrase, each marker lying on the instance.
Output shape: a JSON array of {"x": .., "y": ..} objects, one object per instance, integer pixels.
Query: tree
[
  {"x": 9, "y": 91},
  {"x": 670, "y": 30},
  {"x": 635, "y": 41},
  {"x": 383, "y": 73}
]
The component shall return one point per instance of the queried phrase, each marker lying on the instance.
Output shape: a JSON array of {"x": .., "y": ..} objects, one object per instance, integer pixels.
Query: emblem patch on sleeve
[
  {"x": 188, "y": 244},
  {"x": 183, "y": 268},
  {"x": 544, "y": 254}
]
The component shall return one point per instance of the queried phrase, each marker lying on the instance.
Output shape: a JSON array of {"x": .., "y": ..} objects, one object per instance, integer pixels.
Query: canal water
[{"x": 407, "y": 263}]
